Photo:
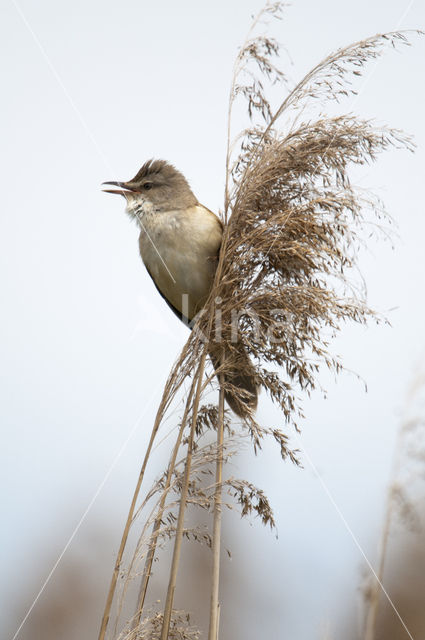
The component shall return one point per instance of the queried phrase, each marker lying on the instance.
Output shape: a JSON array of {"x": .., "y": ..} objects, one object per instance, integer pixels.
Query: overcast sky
[{"x": 90, "y": 90}]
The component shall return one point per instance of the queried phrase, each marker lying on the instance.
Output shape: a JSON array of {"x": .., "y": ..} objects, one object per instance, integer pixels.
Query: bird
[{"x": 179, "y": 243}]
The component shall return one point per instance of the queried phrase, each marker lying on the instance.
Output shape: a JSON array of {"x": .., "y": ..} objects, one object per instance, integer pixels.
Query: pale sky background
[{"x": 90, "y": 90}]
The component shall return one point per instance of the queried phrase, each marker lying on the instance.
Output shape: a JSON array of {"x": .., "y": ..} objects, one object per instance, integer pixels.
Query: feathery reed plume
[
  {"x": 284, "y": 285},
  {"x": 151, "y": 625}
]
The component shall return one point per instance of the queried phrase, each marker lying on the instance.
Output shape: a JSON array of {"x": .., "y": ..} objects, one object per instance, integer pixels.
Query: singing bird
[{"x": 179, "y": 244}]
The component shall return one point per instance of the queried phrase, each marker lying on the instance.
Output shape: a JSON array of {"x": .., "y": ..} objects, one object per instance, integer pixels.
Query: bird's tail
[{"x": 241, "y": 392}]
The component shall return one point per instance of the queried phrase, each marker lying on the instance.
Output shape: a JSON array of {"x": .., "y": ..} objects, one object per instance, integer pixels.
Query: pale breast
[{"x": 179, "y": 249}]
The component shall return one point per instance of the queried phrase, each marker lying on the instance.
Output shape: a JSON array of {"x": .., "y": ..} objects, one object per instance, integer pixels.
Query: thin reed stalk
[
  {"x": 155, "y": 530},
  {"x": 183, "y": 498},
  {"x": 124, "y": 538},
  {"x": 232, "y": 95},
  {"x": 216, "y": 538}
]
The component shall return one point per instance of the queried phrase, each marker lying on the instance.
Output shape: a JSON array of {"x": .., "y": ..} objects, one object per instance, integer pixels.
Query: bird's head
[{"x": 157, "y": 186}]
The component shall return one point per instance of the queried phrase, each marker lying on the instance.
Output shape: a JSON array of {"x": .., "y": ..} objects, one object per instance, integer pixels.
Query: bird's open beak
[{"x": 124, "y": 187}]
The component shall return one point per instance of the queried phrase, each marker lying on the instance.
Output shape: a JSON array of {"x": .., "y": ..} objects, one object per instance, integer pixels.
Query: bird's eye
[{"x": 148, "y": 185}]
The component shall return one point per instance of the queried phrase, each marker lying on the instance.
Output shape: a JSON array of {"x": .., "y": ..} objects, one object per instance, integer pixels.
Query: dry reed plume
[{"x": 293, "y": 224}]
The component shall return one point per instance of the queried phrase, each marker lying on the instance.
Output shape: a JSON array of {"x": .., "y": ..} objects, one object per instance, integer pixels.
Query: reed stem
[
  {"x": 124, "y": 538},
  {"x": 155, "y": 530},
  {"x": 215, "y": 579},
  {"x": 184, "y": 492}
]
